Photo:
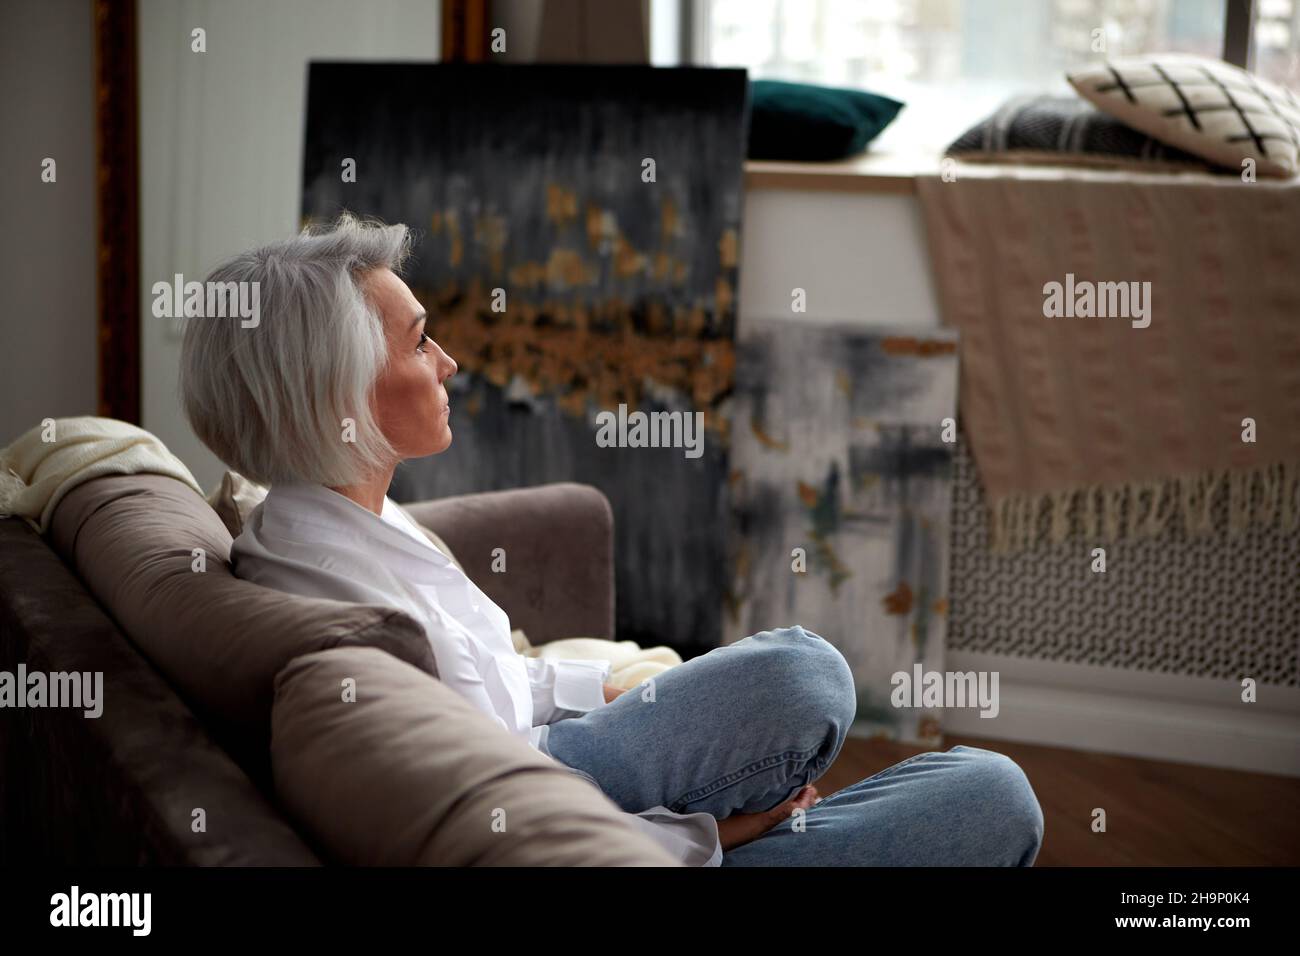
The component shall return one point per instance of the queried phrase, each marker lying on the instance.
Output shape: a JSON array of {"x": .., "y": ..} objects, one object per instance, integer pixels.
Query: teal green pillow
[{"x": 800, "y": 121}]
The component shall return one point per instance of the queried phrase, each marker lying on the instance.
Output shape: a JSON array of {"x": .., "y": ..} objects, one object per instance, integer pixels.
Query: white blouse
[{"x": 306, "y": 539}]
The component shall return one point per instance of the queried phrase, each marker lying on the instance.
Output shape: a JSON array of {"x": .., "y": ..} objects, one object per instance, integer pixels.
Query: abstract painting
[
  {"x": 579, "y": 249},
  {"x": 841, "y": 499}
]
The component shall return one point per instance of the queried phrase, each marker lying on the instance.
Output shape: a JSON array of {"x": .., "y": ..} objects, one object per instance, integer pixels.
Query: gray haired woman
[{"x": 335, "y": 383}]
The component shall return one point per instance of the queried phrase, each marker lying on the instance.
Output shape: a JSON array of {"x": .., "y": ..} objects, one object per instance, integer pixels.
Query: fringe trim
[{"x": 1144, "y": 509}]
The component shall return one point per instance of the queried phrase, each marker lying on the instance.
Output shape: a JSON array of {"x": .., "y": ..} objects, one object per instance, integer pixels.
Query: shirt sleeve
[
  {"x": 565, "y": 685},
  {"x": 691, "y": 838}
]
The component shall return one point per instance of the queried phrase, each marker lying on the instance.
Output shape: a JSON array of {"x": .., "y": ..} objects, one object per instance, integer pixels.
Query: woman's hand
[
  {"x": 740, "y": 828},
  {"x": 611, "y": 692}
]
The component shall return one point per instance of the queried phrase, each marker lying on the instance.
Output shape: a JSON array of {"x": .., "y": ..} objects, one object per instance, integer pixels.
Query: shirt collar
[{"x": 340, "y": 520}]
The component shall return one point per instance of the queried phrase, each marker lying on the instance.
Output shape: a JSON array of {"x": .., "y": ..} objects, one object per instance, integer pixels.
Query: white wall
[
  {"x": 48, "y": 326},
  {"x": 858, "y": 256},
  {"x": 221, "y": 145}
]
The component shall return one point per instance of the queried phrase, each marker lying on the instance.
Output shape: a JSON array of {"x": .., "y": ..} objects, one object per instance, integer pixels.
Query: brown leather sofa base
[{"x": 119, "y": 789}]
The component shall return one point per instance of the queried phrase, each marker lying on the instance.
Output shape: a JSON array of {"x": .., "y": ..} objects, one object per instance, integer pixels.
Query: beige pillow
[
  {"x": 1207, "y": 107},
  {"x": 236, "y": 497},
  {"x": 408, "y": 773}
]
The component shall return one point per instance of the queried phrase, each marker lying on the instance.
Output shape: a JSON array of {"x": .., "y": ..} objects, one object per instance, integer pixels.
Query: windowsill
[
  {"x": 894, "y": 173},
  {"x": 887, "y": 172}
]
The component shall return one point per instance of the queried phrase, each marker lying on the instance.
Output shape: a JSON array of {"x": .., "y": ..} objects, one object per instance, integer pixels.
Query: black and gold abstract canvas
[{"x": 578, "y": 249}]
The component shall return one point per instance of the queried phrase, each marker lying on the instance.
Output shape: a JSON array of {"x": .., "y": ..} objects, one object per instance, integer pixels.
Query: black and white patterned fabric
[
  {"x": 1201, "y": 606},
  {"x": 1064, "y": 130},
  {"x": 1207, "y": 107}
]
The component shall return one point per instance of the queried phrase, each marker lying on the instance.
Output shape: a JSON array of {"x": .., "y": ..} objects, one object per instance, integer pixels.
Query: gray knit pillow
[{"x": 1065, "y": 130}]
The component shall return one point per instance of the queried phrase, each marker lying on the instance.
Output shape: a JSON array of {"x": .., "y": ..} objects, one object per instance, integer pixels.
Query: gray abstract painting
[{"x": 841, "y": 500}]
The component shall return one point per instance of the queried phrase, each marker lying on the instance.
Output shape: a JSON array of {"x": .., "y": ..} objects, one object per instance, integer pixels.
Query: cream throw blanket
[
  {"x": 630, "y": 664},
  {"x": 1093, "y": 426},
  {"x": 51, "y": 459}
]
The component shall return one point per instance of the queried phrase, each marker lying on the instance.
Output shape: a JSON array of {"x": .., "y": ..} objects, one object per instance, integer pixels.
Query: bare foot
[{"x": 741, "y": 828}]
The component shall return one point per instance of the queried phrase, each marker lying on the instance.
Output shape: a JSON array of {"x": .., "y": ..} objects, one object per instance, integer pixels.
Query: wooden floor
[{"x": 1158, "y": 814}]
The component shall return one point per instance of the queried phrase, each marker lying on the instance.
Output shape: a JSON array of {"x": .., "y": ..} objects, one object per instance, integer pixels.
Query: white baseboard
[{"x": 1136, "y": 713}]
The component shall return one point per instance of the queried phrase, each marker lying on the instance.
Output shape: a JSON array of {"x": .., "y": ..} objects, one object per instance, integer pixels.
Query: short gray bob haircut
[{"x": 271, "y": 399}]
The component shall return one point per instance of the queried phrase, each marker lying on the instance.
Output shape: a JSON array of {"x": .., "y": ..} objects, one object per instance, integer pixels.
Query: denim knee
[
  {"x": 810, "y": 671},
  {"x": 1014, "y": 806},
  {"x": 818, "y": 671}
]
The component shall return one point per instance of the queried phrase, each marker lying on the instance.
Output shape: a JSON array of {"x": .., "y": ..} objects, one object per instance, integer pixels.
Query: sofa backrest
[
  {"x": 156, "y": 557},
  {"x": 132, "y": 785}
]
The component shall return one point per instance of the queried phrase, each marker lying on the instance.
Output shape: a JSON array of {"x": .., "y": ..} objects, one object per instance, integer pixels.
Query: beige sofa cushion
[
  {"x": 408, "y": 773},
  {"x": 234, "y": 500},
  {"x": 217, "y": 639}
]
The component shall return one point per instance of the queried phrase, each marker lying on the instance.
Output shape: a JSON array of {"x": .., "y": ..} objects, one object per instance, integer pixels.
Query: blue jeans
[{"x": 742, "y": 728}]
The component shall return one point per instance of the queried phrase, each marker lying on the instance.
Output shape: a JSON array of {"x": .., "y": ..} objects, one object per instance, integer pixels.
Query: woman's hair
[{"x": 270, "y": 397}]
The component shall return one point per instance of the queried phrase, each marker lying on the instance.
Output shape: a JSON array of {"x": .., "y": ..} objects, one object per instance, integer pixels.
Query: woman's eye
[{"x": 424, "y": 337}]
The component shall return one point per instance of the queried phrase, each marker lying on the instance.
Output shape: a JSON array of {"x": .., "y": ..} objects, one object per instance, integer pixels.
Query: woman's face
[{"x": 410, "y": 402}]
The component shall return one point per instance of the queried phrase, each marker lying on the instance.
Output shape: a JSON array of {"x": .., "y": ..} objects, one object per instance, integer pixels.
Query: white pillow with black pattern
[{"x": 1204, "y": 106}]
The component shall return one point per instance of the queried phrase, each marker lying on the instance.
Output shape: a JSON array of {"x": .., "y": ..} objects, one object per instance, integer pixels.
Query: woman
[{"x": 335, "y": 384}]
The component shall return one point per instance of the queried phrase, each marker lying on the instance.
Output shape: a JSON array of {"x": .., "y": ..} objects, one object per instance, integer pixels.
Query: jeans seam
[
  {"x": 736, "y": 776},
  {"x": 901, "y": 764}
]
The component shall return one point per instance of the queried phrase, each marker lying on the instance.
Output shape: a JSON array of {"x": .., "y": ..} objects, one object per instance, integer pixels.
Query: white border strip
[{"x": 1136, "y": 713}]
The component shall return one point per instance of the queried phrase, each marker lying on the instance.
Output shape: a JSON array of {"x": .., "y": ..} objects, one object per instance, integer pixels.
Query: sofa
[{"x": 243, "y": 726}]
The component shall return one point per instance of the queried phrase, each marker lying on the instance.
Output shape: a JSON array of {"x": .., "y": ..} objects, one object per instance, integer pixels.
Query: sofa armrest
[
  {"x": 558, "y": 543},
  {"x": 409, "y": 773}
]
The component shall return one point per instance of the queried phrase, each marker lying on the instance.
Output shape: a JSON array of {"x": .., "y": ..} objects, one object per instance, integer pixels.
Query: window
[
  {"x": 1277, "y": 41},
  {"x": 954, "y": 61}
]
